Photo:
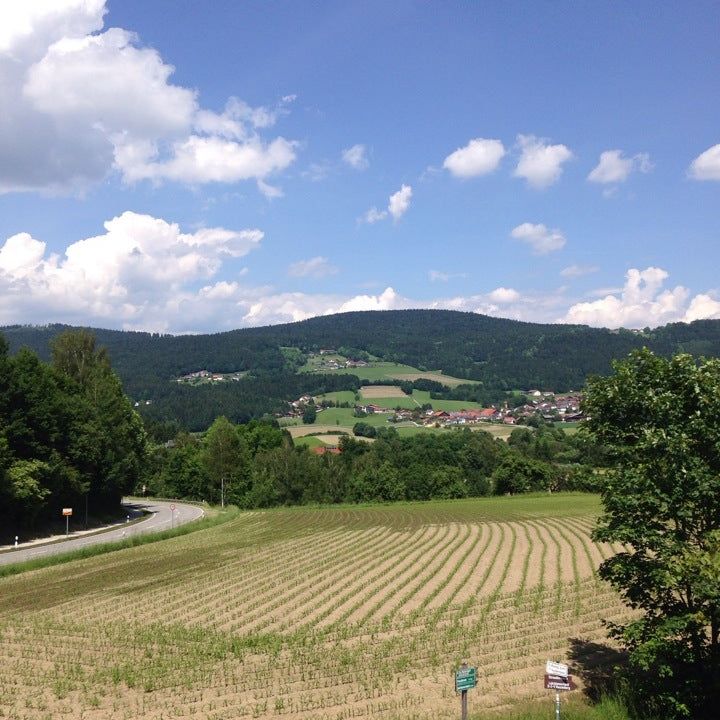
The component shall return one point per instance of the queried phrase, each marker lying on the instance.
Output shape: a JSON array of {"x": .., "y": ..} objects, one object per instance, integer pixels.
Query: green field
[
  {"x": 312, "y": 614},
  {"x": 344, "y": 418},
  {"x": 381, "y": 371},
  {"x": 308, "y": 441},
  {"x": 340, "y": 396},
  {"x": 419, "y": 398},
  {"x": 498, "y": 431}
]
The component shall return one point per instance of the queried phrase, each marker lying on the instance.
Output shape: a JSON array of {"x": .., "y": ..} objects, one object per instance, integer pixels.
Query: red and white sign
[
  {"x": 172, "y": 507},
  {"x": 67, "y": 512}
]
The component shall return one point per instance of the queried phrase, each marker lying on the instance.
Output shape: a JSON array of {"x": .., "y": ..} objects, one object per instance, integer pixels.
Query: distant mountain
[{"x": 498, "y": 352}]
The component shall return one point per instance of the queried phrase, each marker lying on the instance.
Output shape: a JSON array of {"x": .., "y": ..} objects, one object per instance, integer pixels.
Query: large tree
[
  {"x": 227, "y": 461},
  {"x": 108, "y": 436},
  {"x": 660, "y": 419}
]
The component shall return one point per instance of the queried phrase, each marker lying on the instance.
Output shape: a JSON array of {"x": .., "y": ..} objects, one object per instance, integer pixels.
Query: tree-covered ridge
[
  {"x": 502, "y": 354},
  {"x": 466, "y": 345},
  {"x": 68, "y": 435}
]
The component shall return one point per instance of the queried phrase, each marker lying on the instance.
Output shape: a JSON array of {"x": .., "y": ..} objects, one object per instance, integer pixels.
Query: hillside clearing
[
  {"x": 381, "y": 391},
  {"x": 300, "y": 430},
  {"x": 311, "y": 614},
  {"x": 440, "y": 377}
]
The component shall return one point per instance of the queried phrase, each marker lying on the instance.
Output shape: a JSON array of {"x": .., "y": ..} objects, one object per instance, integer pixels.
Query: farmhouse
[{"x": 488, "y": 414}]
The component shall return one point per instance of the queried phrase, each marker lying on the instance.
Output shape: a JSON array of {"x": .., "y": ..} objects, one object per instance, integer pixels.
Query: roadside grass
[{"x": 217, "y": 517}]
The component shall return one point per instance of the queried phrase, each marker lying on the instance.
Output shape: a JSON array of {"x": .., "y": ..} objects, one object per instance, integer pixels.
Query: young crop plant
[{"x": 309, "y": 614}]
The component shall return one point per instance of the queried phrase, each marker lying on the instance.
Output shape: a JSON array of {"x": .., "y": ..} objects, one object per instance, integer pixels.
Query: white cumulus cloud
[
  {"x": 140, "y": 272},
  {"x": 706, "y": 166},
  {"x": 703, "y": 307},
  {"x": 540, "y": 164},
  {"x": 642, "y": 302},
  {"x": 502, "y": 295},
  {"x": 614, "y": 168},
  {"x": 479, "y": 157},
  {"x": 79, "y": 103},
  {"x": 398, "y": 204},
  {"x": 541, "y": 239}
]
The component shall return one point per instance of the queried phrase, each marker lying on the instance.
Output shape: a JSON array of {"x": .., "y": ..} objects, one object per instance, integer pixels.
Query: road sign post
[
  {"x": 67, "y": 512},
  {"x": 465, "y": 679},
  {"x": 557, "y": 678},
  {"x": 172, "y": 517}
]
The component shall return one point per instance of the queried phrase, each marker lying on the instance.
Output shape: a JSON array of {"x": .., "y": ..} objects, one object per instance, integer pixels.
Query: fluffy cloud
[
  {"x": 398, "y": 205},
  {"x": 642, "y": 302},
  {"x": 707, "y": 165},
  {"x": 540, "y": 238},
  {"x": 540, "y": 164},
  {"x": 355, "y": 157},
  {"x": 285, "y": 307},
  {"x": 212, "y": 159},
  {"x": 27, "y": 28},
  {"x": 703, "y": 307},
  {"x": 614, "y": 168},
  {"x": 479, "y": 157},
  {"x": 400, "y": 202},
  {"x": 144, "y": 273},
  {"x": 140, "y": 270},
  {"x": 78, "y": 103},
  {"x": 503, "y": 296},
  {"x": 316, "y": 267}
]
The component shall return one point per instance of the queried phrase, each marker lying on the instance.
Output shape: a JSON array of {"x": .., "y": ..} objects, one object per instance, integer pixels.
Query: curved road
[{"x": 161, "y": 518}]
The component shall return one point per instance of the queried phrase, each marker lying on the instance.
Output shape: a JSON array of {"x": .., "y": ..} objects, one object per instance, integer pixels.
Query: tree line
[
  {"x": 256, "y": 465},
  {"x": 68, "y": 435}
]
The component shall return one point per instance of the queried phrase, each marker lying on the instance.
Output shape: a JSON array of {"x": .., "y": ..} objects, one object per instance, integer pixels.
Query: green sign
[{"x": 465, "y": 678}]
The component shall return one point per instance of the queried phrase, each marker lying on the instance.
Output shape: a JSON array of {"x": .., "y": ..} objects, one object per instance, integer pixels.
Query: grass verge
[
  {"x": 101, "y": 549},
  {"x": 571, "y": 709}
]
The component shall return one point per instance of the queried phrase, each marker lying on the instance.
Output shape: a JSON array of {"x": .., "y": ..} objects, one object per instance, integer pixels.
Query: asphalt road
[{"x": 161, "y": 518}]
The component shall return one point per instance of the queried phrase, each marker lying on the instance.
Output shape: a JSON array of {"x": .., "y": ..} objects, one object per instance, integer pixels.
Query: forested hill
[{"x": 499, "y": 352}]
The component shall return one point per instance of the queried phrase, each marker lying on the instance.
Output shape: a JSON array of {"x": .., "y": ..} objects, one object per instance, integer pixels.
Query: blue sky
[{"x": 191, "y": 167}]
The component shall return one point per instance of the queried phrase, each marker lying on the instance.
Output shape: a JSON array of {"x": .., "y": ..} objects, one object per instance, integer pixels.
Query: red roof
[{"x": 322, "y": 449}]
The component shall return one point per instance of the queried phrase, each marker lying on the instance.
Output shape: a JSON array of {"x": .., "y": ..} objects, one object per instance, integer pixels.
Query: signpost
[
  {"x": 557, "y": 678},
  {"x": 172, "y": 516},
  {"x": 67, "y": 512},
  {"x": 465, "y": 679}
]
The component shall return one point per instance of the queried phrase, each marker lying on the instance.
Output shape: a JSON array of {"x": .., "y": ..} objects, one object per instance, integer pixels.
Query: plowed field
[{"x": 310, "y": 613}]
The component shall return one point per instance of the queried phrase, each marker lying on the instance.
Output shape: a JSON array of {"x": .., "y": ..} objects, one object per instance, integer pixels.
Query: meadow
[
  {"x": 312, "y": 613},
  {"x": 392, "y": 397},
  {"x": 376, "y": 371}
]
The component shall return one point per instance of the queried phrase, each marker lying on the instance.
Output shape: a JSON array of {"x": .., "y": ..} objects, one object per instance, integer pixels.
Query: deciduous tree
[{"x": 660, "y": 420}]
